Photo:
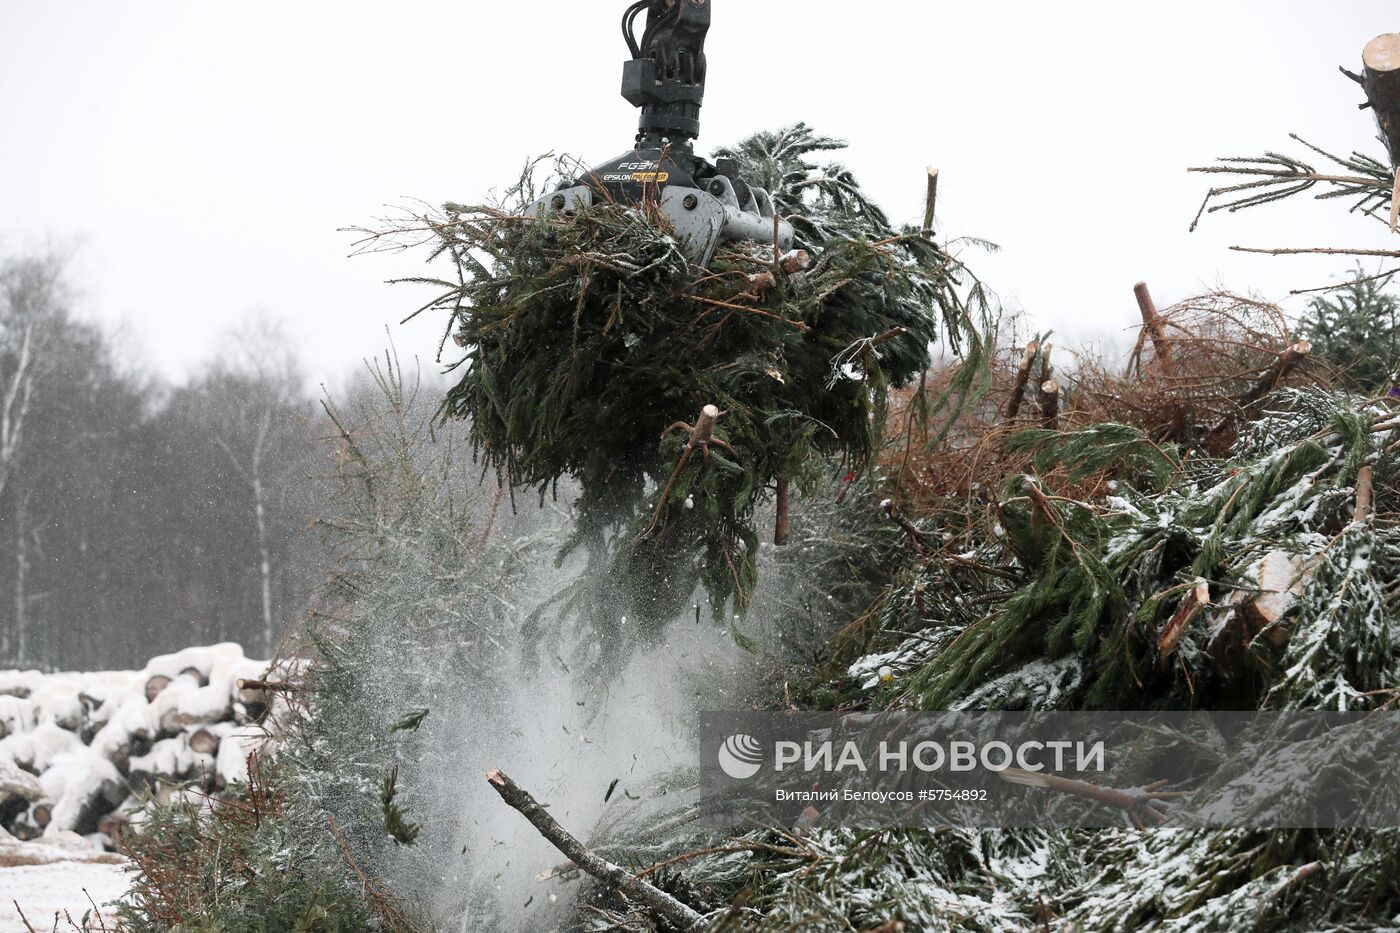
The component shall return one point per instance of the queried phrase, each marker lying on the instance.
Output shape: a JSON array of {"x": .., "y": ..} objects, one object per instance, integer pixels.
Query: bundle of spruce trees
[{"x": 679, "y": 399}]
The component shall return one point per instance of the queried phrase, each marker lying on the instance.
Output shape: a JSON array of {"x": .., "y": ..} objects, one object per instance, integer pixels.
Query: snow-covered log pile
[{"x": 82, "y": 753}]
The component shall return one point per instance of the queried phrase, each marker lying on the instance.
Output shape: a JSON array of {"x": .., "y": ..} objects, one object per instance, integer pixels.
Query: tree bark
[
  {"x": 1380, "y": 79},
  {"x": 1050, "y": 404},
  {"x": 264, "y": 550},
  {"x": 932, "y": 201},
  {"x": 1152, "y": 323},
  {"x": 1023, "y": 378},
  {"x": 663, "y": 905}
]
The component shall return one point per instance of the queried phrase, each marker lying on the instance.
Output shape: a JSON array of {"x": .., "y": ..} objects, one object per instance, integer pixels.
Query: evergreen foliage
[
  {"x": 262, "y": 859},
  {"x": 1357, "y": 329},
  {"x": 587, "y": 336}
]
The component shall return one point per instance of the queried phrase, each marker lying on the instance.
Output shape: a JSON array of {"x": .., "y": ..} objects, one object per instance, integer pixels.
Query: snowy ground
[
  {"x": 51, "y": 883},
  {"x": 80, "y": 753}
]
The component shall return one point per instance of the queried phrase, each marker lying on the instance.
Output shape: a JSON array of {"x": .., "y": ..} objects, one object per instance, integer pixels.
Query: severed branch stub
[
  {"x": 1196, "y": 600},
  {"x": 790, "y": 263},
  {"x": 931, "y": 202},
  {"x": 915, "y": 536},
  {"x": 664, "y": 906},
  {"x": 702, "y": 438},
  {"x": 1050, "y": 404}
]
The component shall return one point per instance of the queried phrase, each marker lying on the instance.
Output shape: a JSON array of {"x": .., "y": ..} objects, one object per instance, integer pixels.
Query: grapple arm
[{"x": 708, "y": 204}]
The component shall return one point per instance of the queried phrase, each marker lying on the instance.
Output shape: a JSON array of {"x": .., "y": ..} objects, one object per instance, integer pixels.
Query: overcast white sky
[{"x": 204, "y": 154}]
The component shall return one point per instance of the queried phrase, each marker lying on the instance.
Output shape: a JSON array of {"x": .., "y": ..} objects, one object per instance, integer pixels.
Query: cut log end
[
  {"x": 155, "y": 685},
  {"x": 1382, "y": 54}
]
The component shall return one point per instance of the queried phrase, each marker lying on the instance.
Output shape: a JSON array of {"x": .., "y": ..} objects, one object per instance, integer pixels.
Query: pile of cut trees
[{"x": 84, "y": 753}]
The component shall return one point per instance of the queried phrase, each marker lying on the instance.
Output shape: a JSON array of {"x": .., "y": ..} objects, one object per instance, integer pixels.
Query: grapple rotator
[{"x": 708, "y": 203}]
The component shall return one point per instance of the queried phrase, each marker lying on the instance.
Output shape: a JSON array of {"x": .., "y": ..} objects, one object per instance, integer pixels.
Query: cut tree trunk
[
  {"x": 661, "y": 904},
  {"x": 1380, "y": 79},
  {"x": 1279, "y": 579},
  {"x": 1152, "y": 323},
  {"x": 1050, "y": 404},
  {"x": 1023, "y": 378},
  {"x": 931, "y": 202}
]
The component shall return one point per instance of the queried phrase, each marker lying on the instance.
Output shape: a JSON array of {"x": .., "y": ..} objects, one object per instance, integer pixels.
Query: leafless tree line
[{"x": 137, "y": 516}]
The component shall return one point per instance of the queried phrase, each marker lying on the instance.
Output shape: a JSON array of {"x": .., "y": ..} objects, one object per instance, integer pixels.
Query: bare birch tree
[
  {"x": 31, "y": 298},
  {"x": 271, "y": 381}
]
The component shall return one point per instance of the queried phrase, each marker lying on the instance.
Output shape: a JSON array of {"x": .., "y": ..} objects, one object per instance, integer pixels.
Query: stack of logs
[{"x": 84, "y": 753}]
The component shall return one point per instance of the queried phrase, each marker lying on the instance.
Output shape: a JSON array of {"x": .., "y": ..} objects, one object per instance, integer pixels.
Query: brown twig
[
  {"x": 756, "y": 847},
  {"x": 23, "y": 918},
  {"x": 663, "y": 905},
  {"x": 1144, "y": 807},
  {"x": 1319, "y": 251},
  {"x": 283, "y": 686},
  {"x": 916, "y": 537}
]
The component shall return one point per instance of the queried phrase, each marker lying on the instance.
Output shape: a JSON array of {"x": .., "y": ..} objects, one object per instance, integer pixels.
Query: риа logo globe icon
[{"x": 741, "y": 757}]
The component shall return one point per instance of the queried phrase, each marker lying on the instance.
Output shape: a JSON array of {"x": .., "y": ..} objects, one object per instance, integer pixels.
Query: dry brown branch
[
  {"x": 1319, "y": 251},
  {"x": 1223, "y": 434},
  {"x": 755, "y": 847},
  {"x": 1219, "y": 344},
  {"x": 661, "y": 904},
  {"x": 23, "y": 918},
  {"x": 278, "y": 686},
  {"x": 1143, "y": 806},
  {"x": 1152, "y": 325},
  {"x": 383, "y": 900},
  {"x": 915, "y": 537}
]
